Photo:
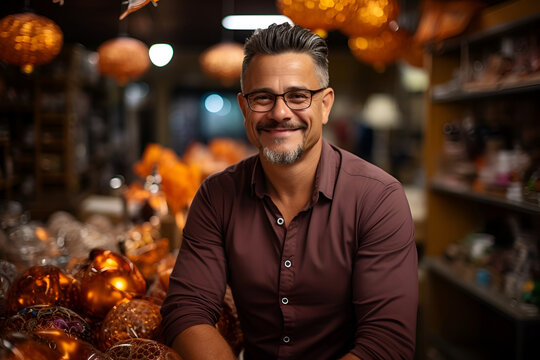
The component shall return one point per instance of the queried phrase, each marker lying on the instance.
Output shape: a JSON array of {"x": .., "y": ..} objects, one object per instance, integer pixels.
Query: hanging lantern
[
  {"x": 369, "y": 17},
  {"x": 123, "y": 59},
  {"x": 316, "y": 15},
  {"x": 223, "y": 61},
  {"x": 379, "y": 50},
  {"x": 27, "y": 40}
]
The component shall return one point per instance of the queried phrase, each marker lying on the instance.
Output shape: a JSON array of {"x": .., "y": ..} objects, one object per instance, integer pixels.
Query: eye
[
  {"x": 261, "y": 98},
  {"x": 297, "y": 96}
]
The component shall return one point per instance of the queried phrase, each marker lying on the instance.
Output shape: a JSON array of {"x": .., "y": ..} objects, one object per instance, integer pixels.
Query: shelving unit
[
  {"x": 40, "y": 121},
  {"x": 464, "y": 320}
]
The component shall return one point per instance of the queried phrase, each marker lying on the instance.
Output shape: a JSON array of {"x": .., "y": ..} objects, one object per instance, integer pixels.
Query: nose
[{"x": 280, "y": 111}]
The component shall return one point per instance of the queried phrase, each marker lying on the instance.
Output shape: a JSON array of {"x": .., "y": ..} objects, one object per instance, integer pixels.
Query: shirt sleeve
[
  {"x": 385, "y": 279},
  {"x": 198, "y": 281}
]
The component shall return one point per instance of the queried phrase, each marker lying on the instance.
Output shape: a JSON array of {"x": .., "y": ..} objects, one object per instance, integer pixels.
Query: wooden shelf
[
  {"x": 496, "y": 300},
  {"x": 486, "y": 198},
  {"x": 463, "y": 95}
]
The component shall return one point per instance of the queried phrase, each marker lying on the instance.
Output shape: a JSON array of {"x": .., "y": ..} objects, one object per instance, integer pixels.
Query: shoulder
[
  {"x": 353, "y": 168},
  {"x": 235, "y": 176}
]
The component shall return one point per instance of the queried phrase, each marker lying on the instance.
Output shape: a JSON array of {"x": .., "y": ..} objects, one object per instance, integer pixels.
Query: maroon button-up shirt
[{"x": 342, "y": 277}]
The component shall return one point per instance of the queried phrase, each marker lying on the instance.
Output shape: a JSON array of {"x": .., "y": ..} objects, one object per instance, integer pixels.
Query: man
[{"x": 316, "y": 244}]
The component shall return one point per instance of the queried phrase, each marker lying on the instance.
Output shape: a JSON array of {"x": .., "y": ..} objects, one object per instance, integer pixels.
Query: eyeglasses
[{"x": 263, "y": 101}]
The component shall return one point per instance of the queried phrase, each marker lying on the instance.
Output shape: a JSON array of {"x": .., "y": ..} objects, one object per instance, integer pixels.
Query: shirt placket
[{"x": 285, "y": 286}]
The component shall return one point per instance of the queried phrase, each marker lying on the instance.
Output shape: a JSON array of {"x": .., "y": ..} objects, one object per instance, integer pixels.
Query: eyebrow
[{"x": 268, "y": 90}]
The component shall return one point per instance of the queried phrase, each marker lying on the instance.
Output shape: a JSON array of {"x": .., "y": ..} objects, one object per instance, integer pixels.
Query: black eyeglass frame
[{"x": 312, "y": 92}]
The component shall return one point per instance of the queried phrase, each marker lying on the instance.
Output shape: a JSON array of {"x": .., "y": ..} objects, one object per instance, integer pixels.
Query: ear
[
  {"x": 327, "y": 103},
  {"x": 242, "y": 102}
]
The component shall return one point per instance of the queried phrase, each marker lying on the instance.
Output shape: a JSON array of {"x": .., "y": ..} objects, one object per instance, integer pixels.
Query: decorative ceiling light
[
  {"x": 316, "y": 15},
  {"x": 160, "y": 54},
  {"x": 369, "y": 17},
  {"x": 379, "y": 50},
  {"x": 123, "y": 59},
  {"x": 223, "y": 61},
  {"x": 27, "y": 40}
]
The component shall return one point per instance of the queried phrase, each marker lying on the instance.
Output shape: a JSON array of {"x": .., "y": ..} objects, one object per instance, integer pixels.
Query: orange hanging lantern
[
  {"x": 123, "y": 59},
  {"x": 223, "y": 62},
  {"x": 316, "y": 15},
  {"x": 379, "y": 50},
  {"x": 27, "y": 40},
  {"x": 369, "y": 17}
]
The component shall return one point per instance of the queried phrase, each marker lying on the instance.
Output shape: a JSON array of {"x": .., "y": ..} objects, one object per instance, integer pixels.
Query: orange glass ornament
[
  {"x": 43, "y": 317},
  {"x": 223, "y": 62},
  {"x": 123, "y": 59},
  {"x": 28, "y": 39},
  {"x": 69, "y": 347},
  {"x": 42, "y": 285},
  {"x": 109, "y": 279},
  {"x": 379, "y": 50},
  {"x": 137, "y": 318},
  {"x": 18, "y": 346},
  {"x": 147, "y": 257},
  {"x": 369, "y": 17},
  {"x": 142, "y": 349}
]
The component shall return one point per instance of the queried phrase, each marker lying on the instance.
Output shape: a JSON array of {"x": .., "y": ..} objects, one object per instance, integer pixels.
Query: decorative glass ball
[
  {"x": 109, "y": 279},
  {"x": 142, "y": 349},
  {"x": 69, "y": 347},
  {"x": 43, "y": 317},
  {"x": 18, "y": 346},
  {"x": 41, "y": 285},
  {"x": 133, "y": 319}
]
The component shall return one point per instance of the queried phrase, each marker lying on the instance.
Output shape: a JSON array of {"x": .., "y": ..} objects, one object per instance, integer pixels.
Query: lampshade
[
  {"x": 379, "y": 50},
  {"x": 381, "y": 112},
  {"x": 223, "y": 61},
  {"x": 369, "y": 17},
  {"x": 123, "y": 59},
  {"x": 27, "y": 39},
  {"x": 316, "y": 15}
]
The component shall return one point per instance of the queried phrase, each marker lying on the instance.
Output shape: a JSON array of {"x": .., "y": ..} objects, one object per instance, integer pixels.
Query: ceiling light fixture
[
  {"x": 252, "y": 22},
  {"x": 160, "y": 54}
]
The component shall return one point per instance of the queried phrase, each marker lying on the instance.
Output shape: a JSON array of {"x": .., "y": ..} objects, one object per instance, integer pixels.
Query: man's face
[{"x": 282, "y": 135}]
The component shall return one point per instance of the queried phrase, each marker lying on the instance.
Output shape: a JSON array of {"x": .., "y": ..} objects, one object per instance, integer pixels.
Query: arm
[
  {"x": 197, "y": 285},
  {"x": 202, "y": 342},
  {"x": 385, "y": 279}
]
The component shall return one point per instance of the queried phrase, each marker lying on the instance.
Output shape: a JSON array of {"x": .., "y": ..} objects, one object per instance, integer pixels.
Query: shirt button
[
  {"x": 286, "y": 339},
  {"x": 288, "y": 263},
  {"x": 280, "y": 221},
  {"x": 284, "y": 301}
]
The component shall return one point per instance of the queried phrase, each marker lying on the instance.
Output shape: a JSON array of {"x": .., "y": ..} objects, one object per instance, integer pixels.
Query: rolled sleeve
[
  {"x": 385, "y": 280},
  {"x": 198, "y": 281}
]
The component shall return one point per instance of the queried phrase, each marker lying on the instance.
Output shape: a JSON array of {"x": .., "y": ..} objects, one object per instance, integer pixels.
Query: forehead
[{"x": 281, "y": 71}]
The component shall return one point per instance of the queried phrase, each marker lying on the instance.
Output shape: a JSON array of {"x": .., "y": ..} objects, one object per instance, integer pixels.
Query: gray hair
[{"x": 278, "y": 39}]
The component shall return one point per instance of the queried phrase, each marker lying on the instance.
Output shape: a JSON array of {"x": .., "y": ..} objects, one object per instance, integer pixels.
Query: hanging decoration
[
  {"x": 319, "y": 16},
  {"x": 29, "y": 40},
  {"x": 379, "y": 50},
  {"x": 123, "y": 58},
  {"x": 134, "y": 5},
  {"x": 369, "y": 17},
  {"x": 441, "y": 20},
  {"x": 223, "y": 61}
]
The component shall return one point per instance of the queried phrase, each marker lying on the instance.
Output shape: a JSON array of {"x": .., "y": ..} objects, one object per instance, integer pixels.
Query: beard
[{"x": 283, "y": 157}]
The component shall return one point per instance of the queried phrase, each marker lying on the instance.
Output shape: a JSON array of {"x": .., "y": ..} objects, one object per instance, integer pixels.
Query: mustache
[{"x": 271, "y": 125}]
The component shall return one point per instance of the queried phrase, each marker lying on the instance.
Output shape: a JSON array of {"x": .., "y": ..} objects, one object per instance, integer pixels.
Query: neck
[{"x": 291, "y": 186}]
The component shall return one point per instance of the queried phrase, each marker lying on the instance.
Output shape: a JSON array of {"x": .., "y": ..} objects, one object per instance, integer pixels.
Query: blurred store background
[{"x": 109, "y": 125}]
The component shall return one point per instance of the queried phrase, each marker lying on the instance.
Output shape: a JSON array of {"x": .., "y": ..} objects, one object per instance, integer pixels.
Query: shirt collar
[{"x": 325, "y": 176}]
